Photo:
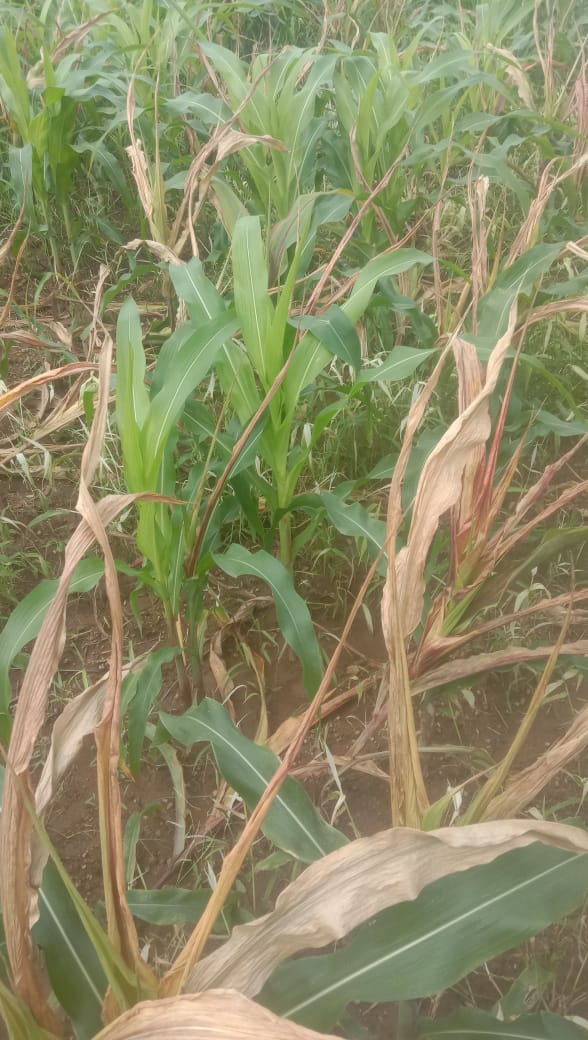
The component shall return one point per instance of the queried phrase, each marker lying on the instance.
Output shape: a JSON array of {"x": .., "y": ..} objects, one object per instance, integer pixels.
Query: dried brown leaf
[
  {"x": 78, "y": 720},
  {"x": 452, "y": 671},
  {"x": 121, "y": 925},
  {"x": 217, "y": 1015},
  {"x": 28, "y": 385},
  {"x": 524, "y": 787},
  {"x": 341, "y": 890},
  {"x": 440, "y": 485},
  {"x": 6, "y": 246}
]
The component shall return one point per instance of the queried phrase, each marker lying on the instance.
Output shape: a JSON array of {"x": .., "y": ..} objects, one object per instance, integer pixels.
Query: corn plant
[
  {"x": 178, "y": 545},
  {"x": 285, "y": 351},
  {"x": 462, "y": 475}
]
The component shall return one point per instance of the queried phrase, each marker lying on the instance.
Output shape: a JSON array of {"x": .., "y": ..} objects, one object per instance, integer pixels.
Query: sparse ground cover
[{"x": 293, "y": 474}]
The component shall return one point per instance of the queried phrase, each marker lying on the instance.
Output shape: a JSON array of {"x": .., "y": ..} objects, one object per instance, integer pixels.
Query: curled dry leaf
[
  {"x": 347, "y": 887},
  {"x": 78, "y": 719},
  {"x": 159, "y": 250},
  {"x": 28, "y": 385},
  {"x": 440, "y": 486},
  {"x": 6, "y": 246},
  {"x": 524, "y": 787},
  {"x": 453, "y": 671},
  {"x": 219, "y": 1014}
]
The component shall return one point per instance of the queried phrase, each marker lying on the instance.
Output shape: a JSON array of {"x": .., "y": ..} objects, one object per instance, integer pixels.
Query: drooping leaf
[
  {"x": 421, "y": 947},
  {"x": 178, "y": 376},
  {"x": 340, "y": 892},
  {"x": 382, "y": 267},
  {"x": 336, "y": 332},
  {"x": 237, "y": 378},
  {"x": 191, "y": 284},
  {"x": 209, "y": 109},
  {"x": 72, "y": 963},
  {"x": 293, "y": 614},
  {"x": 400, "y": 363},
  {"x": 26, "y": 619},
  {"x": 147, "y": 687},
  {"x": 483, "y": 1026},
  {"x": 293, "y": 822},
  {"x": 167, "y": 906},
  {"x": 520, "y": 278},
  {"x": 353, "y": 519}
]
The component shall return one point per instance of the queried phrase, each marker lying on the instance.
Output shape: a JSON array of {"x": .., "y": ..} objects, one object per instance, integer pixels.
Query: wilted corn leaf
[
  {"x": 422, "y": 947},
  {"x": 25, "y": 623},
  {"x": 440, "y": 488},
  {"x": 348, "y": 887},
  {"x": 218, "y": 1015},
  {"x": 28, "y": 385}
]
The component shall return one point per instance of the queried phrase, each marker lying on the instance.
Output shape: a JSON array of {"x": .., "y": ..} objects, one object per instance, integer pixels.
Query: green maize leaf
[
  {"x": 178, "y": 376},
  {"x": 201, "y": 424},
  {"x": 126, "y": 986},
  {"x": 165, "y": 906},
  {"x": 293, "y": 614},
  {"x": 498, "y": 169},
  {"x": 24, "y": 624},
  {"x": 293, "y": 823},
  {"x": 520, "y": 278},
  {"x": 298, "y": 128},
  {"x": 228, "y": 204},
  {"x": 176, "y": 773},
  {"x": 382, "y": 267},
  {"x": 252, "y": 303},
  {"x": 19, "y": 1020},
  {"x": 130, "y": 841},
  {"x": 524, "y": 274},
  {"x": 13, "y": 86},
  {"x": 336, "y": 332},
  {"x": 20, "y": 161},
  {"x": 191, "y": 284},
  {"x": 400, "y": 363},
  {"x": 418, "y": 948},
  {"x": 310, "y": 358},
  {"x": 450, "y": 64},
  {"x": 132, "y": 399},
  {"x": 238, "y": 381},
  {"x": 478, "y": 1025},
  {"x": 208, "y": 109},
  {"x": 230, "y": 67},
  {"x": 147, "y": 686},
  {"x": 318, "y": 207},
  {"x": 548, "y": 423},
  {"x": 76, "y": 975},
  {"x": 353, "y": 519}
]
